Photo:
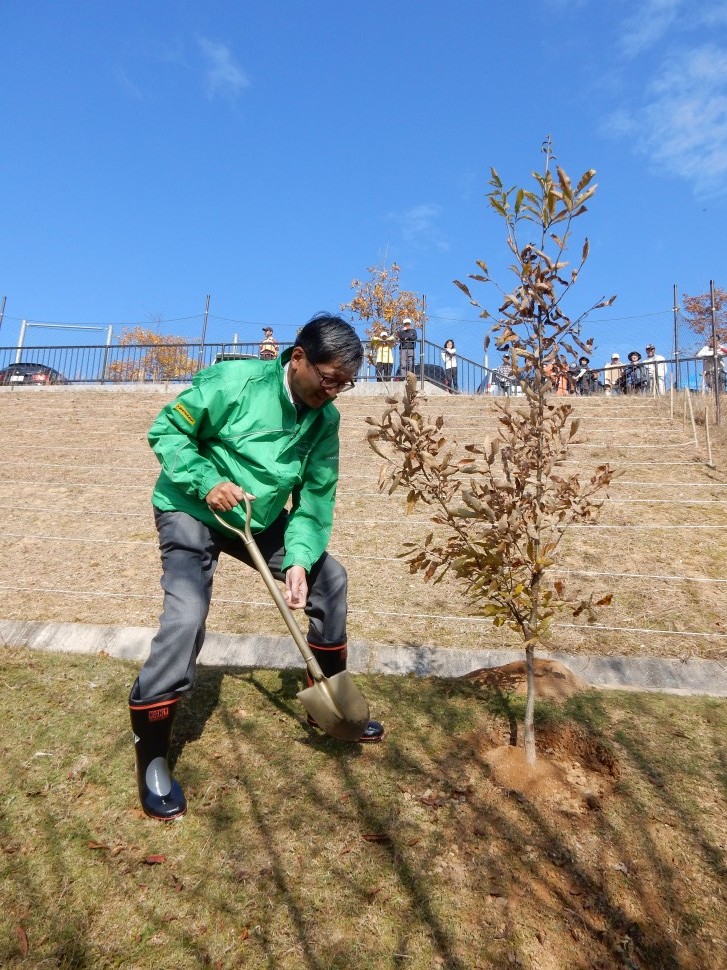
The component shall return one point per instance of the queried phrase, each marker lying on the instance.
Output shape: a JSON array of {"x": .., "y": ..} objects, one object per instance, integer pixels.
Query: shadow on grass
[
  {"x": 329, "y": 853},
  {"x": 602, "y": 917},
  {"x": 195, "y": 710},
  {"x": 339, "y": 758}
]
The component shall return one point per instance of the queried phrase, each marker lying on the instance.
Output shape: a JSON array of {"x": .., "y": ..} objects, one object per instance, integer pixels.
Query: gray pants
[
  {"x": 406, "y": 361},
  {"x": 190, "y": 550}
]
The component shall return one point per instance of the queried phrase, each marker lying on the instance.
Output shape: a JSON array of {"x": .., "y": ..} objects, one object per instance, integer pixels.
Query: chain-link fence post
[{"x": 717, "y": 378}]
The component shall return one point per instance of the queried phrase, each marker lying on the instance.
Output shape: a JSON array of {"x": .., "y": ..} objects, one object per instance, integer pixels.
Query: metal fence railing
[
  {"x": 179, "y": 362},
  {"x": 132, "y": 363}
]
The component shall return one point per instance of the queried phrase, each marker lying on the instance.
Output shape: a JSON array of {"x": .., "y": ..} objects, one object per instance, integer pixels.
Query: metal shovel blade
[{"x": 337, "y": 706}]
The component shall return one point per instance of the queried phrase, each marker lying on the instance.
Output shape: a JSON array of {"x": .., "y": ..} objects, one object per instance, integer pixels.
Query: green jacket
[{"x": 236, "y": 423}]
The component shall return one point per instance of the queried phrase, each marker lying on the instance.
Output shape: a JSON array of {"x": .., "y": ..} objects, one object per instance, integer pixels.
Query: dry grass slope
[{"x": 79, "y": 543}]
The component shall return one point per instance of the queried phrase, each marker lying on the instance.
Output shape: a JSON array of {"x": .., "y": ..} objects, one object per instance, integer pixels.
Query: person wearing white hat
[
  {"x": 611, "y": 374},
  {"x": 713, "y": 366},
  {"x": 408, "y": 338},
  {"x": 503, "y": 377},
  {"x": 655, "y": 367},
  {"x": 382, "y": 346}
]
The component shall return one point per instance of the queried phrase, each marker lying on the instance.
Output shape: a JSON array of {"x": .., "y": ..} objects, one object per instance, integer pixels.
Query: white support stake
[
  {"x": 709, "y": 442},
  {"x": 691, "y": 415}
]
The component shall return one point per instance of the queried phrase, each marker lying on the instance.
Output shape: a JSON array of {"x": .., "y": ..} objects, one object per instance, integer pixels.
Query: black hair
[
  {"x": 448, "y": 341},
  {"x": 326, "y": 338}
]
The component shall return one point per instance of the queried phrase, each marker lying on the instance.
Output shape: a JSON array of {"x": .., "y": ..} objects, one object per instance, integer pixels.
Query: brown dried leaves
[{"x": 504, "y": 507}]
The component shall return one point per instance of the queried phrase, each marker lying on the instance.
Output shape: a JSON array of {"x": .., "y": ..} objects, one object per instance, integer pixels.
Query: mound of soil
[
  {"x": 574, "y": 770},
  {"x": 552, "y": 679}
]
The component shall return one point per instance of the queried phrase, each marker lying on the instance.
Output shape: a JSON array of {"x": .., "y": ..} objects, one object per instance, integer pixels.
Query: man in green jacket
[{"x": 268, "y": 429}]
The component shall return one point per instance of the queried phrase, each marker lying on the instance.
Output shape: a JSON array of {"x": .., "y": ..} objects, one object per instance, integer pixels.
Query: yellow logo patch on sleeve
[{"x": 185, "y": 413}]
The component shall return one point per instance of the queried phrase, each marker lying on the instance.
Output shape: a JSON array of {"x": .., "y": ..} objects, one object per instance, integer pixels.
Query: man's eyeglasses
[{"x": 330, "y": 383}]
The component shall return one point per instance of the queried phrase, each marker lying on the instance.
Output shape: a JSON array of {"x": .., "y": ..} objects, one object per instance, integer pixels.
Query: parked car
[
  {"x": 231, "y": 356},
  {"x": 434, "y": 373},
  {"x": 29, "y": 373}
]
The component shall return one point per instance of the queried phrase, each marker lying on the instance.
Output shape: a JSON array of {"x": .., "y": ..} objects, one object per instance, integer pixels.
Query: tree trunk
[{"x": 530, "y": 753}]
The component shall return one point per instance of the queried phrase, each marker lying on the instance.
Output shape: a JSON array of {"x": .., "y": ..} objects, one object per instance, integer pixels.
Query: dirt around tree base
[
  {"x": 553, "y": 680},
  {"x": 563, "y": 784},
  {"x": 574, "y": 770}
]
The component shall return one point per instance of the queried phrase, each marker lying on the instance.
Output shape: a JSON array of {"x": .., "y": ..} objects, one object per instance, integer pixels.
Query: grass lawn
[{"x": 302, "y": 852}]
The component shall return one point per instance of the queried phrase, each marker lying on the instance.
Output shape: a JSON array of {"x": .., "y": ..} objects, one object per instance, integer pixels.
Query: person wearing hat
[
  {"x": 633, "y": 379},
  {"x": 655, "y": 370},
  {"x": 612, "y": 374},
  {"x": 581, "y": 379},
  {"x": 504, "y": 376},
  {"x": 382, "y": 345},
  {"x": 408, "y": 338},
  {"x": 269, "y": 348},
  {"x": 714, "y": 366}
]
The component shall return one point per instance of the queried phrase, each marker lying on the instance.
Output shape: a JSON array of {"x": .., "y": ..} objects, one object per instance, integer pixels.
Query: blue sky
[{"x": 269, "y": 152}]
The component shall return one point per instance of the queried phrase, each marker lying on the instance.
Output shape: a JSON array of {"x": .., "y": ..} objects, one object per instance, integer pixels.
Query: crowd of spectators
[
  {"x": 636, "y": 375},
  {"x": 383, "y": 342}
]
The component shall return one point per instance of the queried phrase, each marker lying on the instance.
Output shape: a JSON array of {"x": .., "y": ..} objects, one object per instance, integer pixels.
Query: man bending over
[{"x": 267, "y": 428}]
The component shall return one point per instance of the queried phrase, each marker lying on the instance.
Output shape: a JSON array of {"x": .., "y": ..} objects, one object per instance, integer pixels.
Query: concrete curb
[{"x": 674, "y": 676}]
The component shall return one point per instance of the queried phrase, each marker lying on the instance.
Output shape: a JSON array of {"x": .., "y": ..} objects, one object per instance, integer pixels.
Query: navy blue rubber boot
[{"x": 160, "y": 795}]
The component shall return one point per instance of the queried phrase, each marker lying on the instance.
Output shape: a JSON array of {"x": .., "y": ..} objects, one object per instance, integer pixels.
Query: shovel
[{"x": 335, "y": 703}]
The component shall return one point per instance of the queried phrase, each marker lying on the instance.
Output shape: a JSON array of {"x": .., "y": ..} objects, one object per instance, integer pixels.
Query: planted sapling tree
[{"x": 501, "y": 507}]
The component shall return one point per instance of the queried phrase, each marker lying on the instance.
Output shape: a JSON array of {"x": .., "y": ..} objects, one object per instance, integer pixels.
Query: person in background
[
  {"x": 382, "y": 344},
  {"x": 269, "y": 348},
  {"x": 504, "y": 377},
  {"x": 713, "y": 365},
  {"x": 449, "y": 358},
  {"x": 633, "y": 380},
  {"x": 612, "y": 374},
  {"x": 722, "y": 365},
  {"x": 581, "y": 378},
  {"x": 706, "y": 355},
  {"x": 655, "y": 370},
  {"x": 557, "y": 373},
  {"x": 267, "y": 430},
  {"x": 408, "y": 338}
]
